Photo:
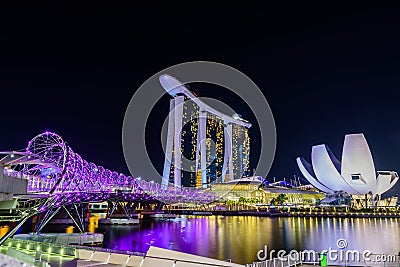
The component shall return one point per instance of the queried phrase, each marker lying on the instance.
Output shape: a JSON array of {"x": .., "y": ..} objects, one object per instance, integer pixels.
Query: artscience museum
[{"x": 355, "y": 174}]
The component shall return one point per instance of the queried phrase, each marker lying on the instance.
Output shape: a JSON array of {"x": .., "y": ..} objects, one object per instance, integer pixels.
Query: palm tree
[{"x": 281, "y": 199}]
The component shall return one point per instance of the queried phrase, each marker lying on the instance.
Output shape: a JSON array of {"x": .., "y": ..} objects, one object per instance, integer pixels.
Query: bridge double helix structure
[{"x": 57, "y": 177}]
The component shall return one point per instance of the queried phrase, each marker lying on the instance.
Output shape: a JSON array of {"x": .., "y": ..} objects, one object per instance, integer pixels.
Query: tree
[{"x": 281, "y": 199}]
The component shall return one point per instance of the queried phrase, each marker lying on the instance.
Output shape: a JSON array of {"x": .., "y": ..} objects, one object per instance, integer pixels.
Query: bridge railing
[
  {"x": 16, "y": 174},
  {"x": 165, "y": 193}
]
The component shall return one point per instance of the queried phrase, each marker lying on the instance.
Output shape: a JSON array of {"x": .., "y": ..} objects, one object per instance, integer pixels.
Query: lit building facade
[
  {"x": 203, "y": 146},
  {"x": 257, "y": 192}
]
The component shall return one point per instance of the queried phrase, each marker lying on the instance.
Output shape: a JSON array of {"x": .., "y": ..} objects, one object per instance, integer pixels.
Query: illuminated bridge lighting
[{"x": 53, "y": 168}]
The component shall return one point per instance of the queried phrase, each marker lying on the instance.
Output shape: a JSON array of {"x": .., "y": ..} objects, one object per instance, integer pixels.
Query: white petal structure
[
  {"x": 355, "y": 174},
  {"x": 308, "y": 172},
  {"x": 357, "y": 164},
  {"x": 386, "y": 180},
  {"x": 327, "y": 172}
]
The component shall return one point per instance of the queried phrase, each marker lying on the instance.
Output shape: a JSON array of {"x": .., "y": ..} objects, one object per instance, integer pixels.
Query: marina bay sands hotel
[{"x": 203, "y": 145}]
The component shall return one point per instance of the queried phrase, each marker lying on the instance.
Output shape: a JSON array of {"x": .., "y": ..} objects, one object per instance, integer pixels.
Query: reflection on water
[{"x": 239, "y": 238}]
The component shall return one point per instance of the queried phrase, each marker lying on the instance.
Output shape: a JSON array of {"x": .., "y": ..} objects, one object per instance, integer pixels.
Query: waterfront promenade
[{"x": 32, "y": 253}]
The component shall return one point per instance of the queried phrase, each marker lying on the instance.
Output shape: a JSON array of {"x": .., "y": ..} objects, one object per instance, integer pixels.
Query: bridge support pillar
[
  {"x": 159, "y": 207},
  {"x": 128, "y": 207},
  {"x": 45, "y": 218},
  {"x": 14, "y": 230},
  {"x": 77, "y": 214}
]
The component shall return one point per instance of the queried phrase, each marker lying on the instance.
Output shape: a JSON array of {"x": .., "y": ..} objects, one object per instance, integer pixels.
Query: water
[{"x": 240, "y": 238}]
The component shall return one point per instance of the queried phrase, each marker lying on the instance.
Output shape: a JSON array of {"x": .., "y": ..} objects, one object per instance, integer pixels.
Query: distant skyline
[{"x": 324, "y": 72}]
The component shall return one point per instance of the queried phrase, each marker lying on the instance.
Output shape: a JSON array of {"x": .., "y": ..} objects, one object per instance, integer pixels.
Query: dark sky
[{"x": 325, "y": 72}]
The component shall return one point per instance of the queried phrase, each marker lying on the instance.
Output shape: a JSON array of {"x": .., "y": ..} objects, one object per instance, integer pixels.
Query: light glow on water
[{"x": 240, "y": 238}]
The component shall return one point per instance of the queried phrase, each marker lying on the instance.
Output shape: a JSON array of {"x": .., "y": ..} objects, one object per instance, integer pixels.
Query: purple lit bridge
[{"x": 57, "y": 178}]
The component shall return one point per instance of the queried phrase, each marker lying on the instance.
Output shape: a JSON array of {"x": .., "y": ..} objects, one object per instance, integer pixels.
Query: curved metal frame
[{"x": 52, "y": 167}]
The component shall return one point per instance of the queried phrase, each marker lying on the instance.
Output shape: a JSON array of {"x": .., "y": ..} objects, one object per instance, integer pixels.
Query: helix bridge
[{"x": 58, "y": 178}]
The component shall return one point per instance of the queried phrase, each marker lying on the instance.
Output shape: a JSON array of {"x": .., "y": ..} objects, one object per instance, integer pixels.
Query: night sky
[{"x": 325, "y": 72}]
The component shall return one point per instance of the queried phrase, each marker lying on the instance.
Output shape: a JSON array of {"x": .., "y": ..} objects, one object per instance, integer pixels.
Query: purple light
[{"x": 85, "y": 181}]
